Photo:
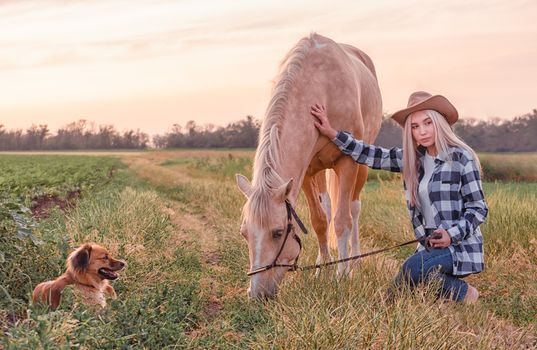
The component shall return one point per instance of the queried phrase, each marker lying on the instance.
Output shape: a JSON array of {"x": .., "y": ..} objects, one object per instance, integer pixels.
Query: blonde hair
[{"x": 444, "y": 138}]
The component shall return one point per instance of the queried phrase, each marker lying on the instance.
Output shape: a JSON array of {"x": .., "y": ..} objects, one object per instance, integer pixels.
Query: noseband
[{"x": 291, "y": 213}]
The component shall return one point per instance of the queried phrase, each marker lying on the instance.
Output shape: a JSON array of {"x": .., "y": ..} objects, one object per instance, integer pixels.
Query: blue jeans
[{"x": 423, "y": 265}]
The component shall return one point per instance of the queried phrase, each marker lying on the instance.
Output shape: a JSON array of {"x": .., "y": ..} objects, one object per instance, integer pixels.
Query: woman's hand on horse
[
  {"x": 443, "y": 242},
  {"x": 322, "y": 123}
]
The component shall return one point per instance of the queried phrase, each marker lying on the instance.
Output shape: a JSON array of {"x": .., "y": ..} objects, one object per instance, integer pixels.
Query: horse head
[{"x": 268, "y": 230}]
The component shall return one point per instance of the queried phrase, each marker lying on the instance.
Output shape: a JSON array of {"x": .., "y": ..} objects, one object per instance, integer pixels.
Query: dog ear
[{"x": 81, "y": 257}]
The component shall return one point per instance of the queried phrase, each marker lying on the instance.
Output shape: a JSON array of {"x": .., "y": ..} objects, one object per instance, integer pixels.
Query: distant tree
[
  {"x": 493, "y": 135},
  {"x": 243, "y": 134},
  {"x": 390, "y": 134},
  {"x": 191, "y": 127},
  {"x": 30, "y": 139},
  {"x": 159, "y": 141},
  {"x": 76, "y": 135},
  {"x": 105, "y": 137}
]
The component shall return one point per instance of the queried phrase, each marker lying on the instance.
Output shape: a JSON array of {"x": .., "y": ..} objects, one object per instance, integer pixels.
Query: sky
[{"x": 150, "y": 64}]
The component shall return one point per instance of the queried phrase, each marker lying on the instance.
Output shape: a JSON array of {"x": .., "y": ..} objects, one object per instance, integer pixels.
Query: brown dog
[{"x": 89, "y": 268}]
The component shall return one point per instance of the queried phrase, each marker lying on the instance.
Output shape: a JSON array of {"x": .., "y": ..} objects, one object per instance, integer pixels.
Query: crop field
[{"x": 174, "y": 217}]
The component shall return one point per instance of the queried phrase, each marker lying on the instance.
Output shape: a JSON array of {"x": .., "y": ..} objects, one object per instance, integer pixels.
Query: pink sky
[{"x": 150, "y": 64}]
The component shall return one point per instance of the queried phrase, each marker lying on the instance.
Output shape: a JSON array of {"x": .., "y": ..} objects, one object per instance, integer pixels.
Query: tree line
[
  {"x": 77, "y": 135},
  {"x": 241, "y": 134},
  {"x": 493, "y": 135}
]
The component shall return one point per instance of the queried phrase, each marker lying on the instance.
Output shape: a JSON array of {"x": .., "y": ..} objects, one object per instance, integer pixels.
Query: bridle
[{"x": 291, "y": 213}]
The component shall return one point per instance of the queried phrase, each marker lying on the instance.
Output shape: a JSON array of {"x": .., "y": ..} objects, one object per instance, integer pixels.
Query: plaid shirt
[{"x": 455, "y": 192}]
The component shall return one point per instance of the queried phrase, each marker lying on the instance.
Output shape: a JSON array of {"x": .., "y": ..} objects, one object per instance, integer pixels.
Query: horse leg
[
  {"x": 356, "y": 206},
  {"x": 314, "y": 188},
  {"x": 346, "y": 171}
]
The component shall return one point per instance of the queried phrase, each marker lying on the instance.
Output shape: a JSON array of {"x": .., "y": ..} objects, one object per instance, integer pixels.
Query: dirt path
[
  {"x": 189, "y": 223},
  {"x": 190, "y": 226}
]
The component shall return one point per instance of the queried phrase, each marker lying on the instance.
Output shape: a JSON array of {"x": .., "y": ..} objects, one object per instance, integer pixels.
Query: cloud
[{"x": 190, "y": 44}]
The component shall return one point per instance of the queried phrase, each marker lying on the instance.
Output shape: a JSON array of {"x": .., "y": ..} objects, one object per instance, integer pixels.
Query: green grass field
[{"x": 174, "y": 217}]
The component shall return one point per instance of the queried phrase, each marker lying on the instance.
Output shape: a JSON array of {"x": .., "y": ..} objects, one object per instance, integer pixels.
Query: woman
[{"x": 443, "y": 190}]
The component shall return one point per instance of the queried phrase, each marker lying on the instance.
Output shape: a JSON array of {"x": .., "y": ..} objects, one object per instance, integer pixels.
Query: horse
[{"x": 291, "y": 155}]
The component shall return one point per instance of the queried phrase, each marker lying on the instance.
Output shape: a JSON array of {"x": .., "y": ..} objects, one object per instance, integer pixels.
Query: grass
[
  {"x": 28, "y": 250},
  {"x": 222, "y": 167},
  {"x": 515, "y": 167},
  {"x": 176, "y": 223},
  {"x": 159, "y": 290},
  {"x": 384, "y": 221},
  {"x": 508, "y": 286},
  {"x": 505, "y": 167},
  {"x": 30, "y": 176}
]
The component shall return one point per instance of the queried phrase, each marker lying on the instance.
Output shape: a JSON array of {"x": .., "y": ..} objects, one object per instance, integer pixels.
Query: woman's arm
[
  {"x": 475, "y": 209},
  {"x": 373, "y": 156},
  {"x": 363, "y": 153}
]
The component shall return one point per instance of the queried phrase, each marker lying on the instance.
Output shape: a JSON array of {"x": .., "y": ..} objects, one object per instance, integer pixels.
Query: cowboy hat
[{"x": 421, "y": 100}]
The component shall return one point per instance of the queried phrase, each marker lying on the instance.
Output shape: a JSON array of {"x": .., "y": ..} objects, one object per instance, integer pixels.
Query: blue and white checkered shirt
[{"x": 455, "y": 192}]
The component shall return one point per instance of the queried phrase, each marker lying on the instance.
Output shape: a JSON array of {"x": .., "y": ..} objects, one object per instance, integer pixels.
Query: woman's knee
[{"x": 412, "y": 269}]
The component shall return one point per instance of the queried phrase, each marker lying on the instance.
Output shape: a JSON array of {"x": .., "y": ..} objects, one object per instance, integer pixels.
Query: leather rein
[{"x": 291, "y": 213}]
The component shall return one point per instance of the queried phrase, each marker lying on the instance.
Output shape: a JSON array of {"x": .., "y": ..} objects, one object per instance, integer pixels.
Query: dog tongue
[{"x": 108, "y": 273}]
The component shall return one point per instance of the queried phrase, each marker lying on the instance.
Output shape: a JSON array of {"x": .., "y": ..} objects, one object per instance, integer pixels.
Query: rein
[
  {"x": 355, "y": 257},
  {"x": 291, "y": 213}
]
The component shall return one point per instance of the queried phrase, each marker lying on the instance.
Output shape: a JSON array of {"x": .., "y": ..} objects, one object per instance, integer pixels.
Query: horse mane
[{"x": 267, "y": 163}]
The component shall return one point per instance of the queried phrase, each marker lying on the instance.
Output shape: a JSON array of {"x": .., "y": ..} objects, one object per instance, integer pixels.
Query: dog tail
[{"x": 50, "y": 292}]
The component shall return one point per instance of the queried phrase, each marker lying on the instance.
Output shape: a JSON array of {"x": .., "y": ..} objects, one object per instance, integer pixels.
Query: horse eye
[
  {"x": 277, "y": 234},
  {"x": 105, "y": 257}
]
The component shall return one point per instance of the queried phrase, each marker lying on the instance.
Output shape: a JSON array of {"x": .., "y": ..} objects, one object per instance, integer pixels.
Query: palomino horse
[{"x": 291, "y": 152}]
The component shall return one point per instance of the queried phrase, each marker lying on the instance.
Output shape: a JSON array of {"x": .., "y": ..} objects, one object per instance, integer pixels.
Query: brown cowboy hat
[{"x": 421, "y": 100}]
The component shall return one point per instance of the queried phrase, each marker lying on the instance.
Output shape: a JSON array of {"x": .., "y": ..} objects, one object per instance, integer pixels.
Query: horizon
[
  {"x": 92, "y": 125},
  {"x": 213, "y": 61}
]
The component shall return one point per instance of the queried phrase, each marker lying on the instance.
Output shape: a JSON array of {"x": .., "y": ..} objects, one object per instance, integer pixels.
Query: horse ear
[
  {"x": 244, "y": 185},
  {"x": 284, "y": 190}
]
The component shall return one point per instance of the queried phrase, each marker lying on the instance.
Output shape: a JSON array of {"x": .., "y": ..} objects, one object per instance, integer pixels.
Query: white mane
[{"x": 267, "y": 163}]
